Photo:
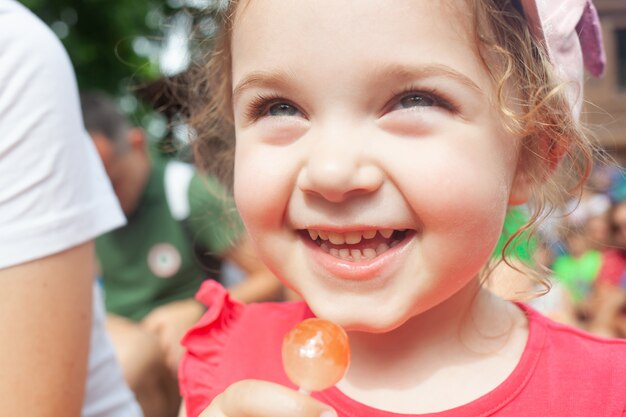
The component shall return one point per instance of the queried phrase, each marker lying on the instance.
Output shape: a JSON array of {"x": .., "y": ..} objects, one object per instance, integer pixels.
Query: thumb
[
  {"x": 264, "y": 399},
  {"x": 152, "y": 322}
]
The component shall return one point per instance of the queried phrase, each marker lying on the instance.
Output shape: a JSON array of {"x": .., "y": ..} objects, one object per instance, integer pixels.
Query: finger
[
  {"x": 169, "y": 338},
  {"x": 148, "y": 322},
  {"x": 167, "y": 346},
  {"x": 251, "y": 398},
  {"x": 173, "y": 358},
  {"x": 152, "y": 323},
  {"x": 172, "y": 364}
]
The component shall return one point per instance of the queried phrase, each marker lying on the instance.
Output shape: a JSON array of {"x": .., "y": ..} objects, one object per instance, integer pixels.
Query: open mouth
[{"x": 357, "y": 246}]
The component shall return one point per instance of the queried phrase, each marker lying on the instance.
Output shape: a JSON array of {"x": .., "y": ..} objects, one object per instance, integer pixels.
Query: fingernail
[{"x": 329, "y": 413}]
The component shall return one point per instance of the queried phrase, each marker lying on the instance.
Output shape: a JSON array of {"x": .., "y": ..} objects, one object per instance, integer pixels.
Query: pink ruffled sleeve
[{"x": 205, "y": 344}]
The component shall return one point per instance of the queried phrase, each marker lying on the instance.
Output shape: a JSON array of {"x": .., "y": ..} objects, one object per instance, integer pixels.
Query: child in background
[
  {"x": 610, "y": 291},
  {"x": 378, "y": 147},
  {"x": 577, "y": 269},
  {"x": 613, "y": 271}
]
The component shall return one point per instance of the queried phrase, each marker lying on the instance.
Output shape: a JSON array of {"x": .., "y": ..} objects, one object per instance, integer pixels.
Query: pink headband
[{"x": 570, "y": 31}]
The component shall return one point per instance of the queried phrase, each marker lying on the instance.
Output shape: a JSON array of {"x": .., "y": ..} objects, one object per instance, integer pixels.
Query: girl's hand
[{"x": 251, "y": 398}]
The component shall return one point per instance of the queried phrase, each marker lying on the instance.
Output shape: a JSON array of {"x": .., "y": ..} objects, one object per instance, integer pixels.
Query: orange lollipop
[{"x": 316, "y": 354}]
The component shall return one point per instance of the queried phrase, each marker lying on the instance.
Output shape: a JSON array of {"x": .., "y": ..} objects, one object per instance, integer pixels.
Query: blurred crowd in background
[{"x": 583, "y": 250}]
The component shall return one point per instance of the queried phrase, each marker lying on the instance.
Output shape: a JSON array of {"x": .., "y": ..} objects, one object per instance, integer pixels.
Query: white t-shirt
[{"x": 54, "y": 193}]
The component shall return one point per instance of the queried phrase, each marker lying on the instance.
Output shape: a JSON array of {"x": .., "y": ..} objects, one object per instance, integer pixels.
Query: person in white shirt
[{"x": 55, "y": 359}]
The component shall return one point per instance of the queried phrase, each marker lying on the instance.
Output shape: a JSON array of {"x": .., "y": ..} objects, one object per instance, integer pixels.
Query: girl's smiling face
[{"x": 372, "y": 168}]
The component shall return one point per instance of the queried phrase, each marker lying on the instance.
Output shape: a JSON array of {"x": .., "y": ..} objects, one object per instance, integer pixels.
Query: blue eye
[
  {"x": 282, "y": 109},
  {"x": 416, "y": 100},
  {"x": 272, "y": 105}
]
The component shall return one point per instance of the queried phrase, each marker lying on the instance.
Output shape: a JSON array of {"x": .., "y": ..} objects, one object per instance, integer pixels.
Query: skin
[
  {"x": 44, "y": 365},
  {"x": 367, "y": 136}
]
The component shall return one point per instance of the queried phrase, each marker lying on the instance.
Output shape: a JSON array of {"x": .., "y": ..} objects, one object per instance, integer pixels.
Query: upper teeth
[{"x": 350, "y": 237}]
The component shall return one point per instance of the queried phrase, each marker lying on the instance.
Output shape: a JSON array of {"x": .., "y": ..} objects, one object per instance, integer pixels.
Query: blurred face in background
[
  {"x": 128, "y": 171},
  {"x": 619, "y": 224},
  {"x": 598, "y": 231},
  {"x": 577, "y": 243}
]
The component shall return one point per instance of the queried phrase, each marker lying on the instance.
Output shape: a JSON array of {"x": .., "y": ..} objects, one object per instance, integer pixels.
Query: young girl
[{"x": 378, "y": 147}]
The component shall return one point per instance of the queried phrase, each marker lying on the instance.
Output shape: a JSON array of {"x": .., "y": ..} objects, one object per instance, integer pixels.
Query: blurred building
[{"x": 606, "y": 110}]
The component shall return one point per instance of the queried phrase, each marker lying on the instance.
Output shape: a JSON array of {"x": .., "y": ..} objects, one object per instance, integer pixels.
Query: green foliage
[
  {"x": 115, "y": 46},
  {"x": 99, "y": 36}
]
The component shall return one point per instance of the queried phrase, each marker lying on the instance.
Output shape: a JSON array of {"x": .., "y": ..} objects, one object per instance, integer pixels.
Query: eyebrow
[
  {"x": 275, "y": 78},
  {"x": 267, "y": 79},
  {"x": 410, "y": 72}
]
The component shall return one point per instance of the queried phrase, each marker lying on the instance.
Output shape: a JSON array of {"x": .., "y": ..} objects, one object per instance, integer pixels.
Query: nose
[{"x": 338, "y": 167}]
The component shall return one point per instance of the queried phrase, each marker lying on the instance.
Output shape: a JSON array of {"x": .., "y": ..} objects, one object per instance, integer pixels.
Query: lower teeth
[{"x": 356, "y": 255}]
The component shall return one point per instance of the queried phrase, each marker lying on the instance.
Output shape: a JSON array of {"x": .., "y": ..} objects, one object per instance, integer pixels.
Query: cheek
[
  {"x": 461, "y": 197},
  {"x": 455, "y": 182},
  {"x": 263, "y": 184}
]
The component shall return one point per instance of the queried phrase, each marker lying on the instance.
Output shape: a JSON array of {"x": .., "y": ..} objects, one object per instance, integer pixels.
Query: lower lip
[{"x": 363, "y": 270}]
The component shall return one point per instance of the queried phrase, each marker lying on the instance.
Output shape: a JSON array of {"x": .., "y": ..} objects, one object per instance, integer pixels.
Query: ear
[
  {"x": 104, "y": 147},
  {"x": 536, "y": 164},
  {"x": 137, "y": 139},
  {"x": 551, "y": 151}
]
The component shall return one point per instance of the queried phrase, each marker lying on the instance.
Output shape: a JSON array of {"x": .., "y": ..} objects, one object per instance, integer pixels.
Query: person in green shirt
[
  {"x": 151, "y": 267},
  {"x": 577, "y": 269}
]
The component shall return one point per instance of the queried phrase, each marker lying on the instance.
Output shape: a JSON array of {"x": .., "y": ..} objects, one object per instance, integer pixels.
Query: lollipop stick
[{"x": 304, "y": 391}]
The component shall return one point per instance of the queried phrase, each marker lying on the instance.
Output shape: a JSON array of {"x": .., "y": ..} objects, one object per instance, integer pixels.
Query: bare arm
[
  {"x": 260, "y": 284},
  {"x": 607, "y": 303},
  {"x": 45, "y": 319}
]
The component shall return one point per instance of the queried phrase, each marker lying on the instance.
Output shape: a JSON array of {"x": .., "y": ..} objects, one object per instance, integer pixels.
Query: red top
[
  {"x": 613, "y": 268},
  {"x": 562, "y": 372}
]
